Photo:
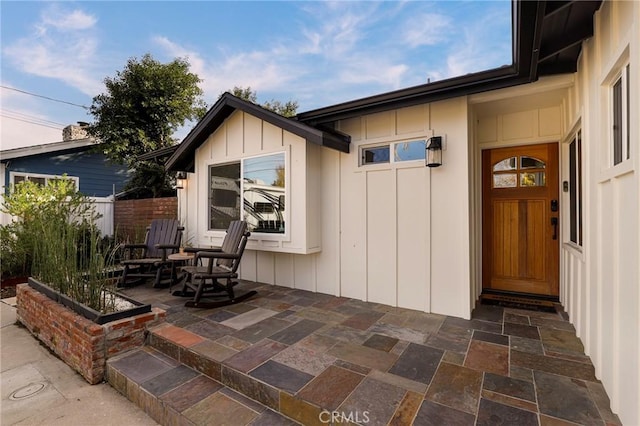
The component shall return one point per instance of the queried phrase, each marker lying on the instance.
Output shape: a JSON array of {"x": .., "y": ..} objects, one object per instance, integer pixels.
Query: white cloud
[
  {"x": 63, "y": 20},
  {"x": 378, "y": 71},
  {"x": 271, "y": 70},
  {"x": 480, "y": 48},
  {"x": 329, "y": 59},
  {"x": 63, "y": 47},
  {"x": 340, "y": 27},
  {"x": 427, "y": 29}
]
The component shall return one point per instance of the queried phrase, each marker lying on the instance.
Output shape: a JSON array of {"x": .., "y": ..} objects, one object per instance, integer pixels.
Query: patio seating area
[{"x": 287, "y": 356}]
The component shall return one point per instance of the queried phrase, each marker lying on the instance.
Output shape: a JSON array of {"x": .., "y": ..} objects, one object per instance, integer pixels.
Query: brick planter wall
[{"x": 84, "y": 345}]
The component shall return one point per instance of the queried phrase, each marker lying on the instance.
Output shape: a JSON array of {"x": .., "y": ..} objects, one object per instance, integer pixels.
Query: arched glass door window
[{"x": 522, "y": 171}]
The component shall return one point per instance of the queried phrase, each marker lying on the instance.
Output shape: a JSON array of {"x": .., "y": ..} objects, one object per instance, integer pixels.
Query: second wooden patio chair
[{"x": 223, "y": 262}]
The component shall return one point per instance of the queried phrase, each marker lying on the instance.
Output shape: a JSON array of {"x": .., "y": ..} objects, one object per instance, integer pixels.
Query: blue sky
[{"x": 318, "y": 53}]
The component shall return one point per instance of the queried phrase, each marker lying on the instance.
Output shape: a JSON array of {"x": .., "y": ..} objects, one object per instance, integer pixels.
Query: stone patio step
[
  {"x": 181, "y": 347},
  {"x": 173, "y": 393}
]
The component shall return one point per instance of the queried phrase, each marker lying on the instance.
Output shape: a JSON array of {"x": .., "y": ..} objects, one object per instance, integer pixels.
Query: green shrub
[{"x": 54, "y": 238}]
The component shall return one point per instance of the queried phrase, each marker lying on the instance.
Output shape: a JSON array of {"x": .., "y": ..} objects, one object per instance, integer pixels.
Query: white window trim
[
  {"x": 257, "y": 236},
  {"x": 622, "y": 75},
  {"x": 616, "y": 68},
  {"x": 47, "y": 177},
  {"x": 576, "y": 247}
]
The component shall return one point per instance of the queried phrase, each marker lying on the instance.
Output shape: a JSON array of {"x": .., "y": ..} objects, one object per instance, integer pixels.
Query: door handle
[{"x": 554, "y": 223}]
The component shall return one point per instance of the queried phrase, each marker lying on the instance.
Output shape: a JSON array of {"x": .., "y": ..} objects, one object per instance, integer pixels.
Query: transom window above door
[{"x": 519, "y": 171}]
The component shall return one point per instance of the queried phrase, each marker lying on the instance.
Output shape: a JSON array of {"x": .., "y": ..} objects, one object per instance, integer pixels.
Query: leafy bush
[{"x": 54, "y": 238}]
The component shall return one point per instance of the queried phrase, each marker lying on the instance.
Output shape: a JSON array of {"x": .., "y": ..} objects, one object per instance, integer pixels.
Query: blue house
[{"x": 93, "y": 174}]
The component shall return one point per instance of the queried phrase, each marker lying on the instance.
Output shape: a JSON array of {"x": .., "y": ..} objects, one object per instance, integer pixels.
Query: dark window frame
[{"x": 575, "y": 189}]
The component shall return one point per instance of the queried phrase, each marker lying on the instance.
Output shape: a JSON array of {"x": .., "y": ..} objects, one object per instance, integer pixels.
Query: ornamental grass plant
[{"x": 54, "y": 235}]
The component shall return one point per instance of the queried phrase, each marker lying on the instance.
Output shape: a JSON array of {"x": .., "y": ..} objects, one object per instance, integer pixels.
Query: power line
[
  {"x": 34, "y": 118},
  {"x": 31, "y": 122},
  {"x": 44, "y": 97}
]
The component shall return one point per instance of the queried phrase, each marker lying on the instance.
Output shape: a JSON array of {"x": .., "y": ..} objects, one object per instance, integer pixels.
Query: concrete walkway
[{"x": 37, "y": 388}]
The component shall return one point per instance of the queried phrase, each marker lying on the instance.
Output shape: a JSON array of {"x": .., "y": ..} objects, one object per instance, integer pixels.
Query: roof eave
[
  {"x": 444, "y": 89},
  {"x": 47, "y": 148},
  {"x": 182, "y": 158},
  {"x": 527, "y": 22}
]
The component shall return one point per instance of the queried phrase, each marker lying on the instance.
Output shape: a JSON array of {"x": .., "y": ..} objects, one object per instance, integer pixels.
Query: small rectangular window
[
  {"x": 408, "y": 151},
  {"x": 42, "y": 179},
  {"x": 260, "y": 207},
  {"x": 575, "y": 189},
  {"x": 620, "y": 98},
  {"x": 395, "y": 152},
  {"x": 628, "y": 115},
  {"x": 375, "y": 155},
  {"x": 617, "y": 122}
]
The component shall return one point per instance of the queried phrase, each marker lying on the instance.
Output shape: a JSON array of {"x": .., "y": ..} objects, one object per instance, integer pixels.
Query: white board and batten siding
[
  {"x": 369, "y": 231},
  {"x": 600, "y": 279},
  {"x": 602, "y": 291},
  {"x": 404, "y": 227},
  {"x": 269, "y": 258}
]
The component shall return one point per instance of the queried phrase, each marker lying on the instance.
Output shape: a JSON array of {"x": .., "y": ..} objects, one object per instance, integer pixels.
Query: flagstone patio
[{"x": 289, "y": 356}]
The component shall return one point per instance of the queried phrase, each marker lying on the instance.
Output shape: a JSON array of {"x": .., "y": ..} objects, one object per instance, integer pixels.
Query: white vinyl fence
[
  {"x": 105, "y": 207},
  {"x": 102, "y": 205}
]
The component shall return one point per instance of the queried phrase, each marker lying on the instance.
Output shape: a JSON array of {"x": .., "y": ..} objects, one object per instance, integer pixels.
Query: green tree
[
  {"x": 144, "y": 104},
  {"x": 286, "y": 109}
]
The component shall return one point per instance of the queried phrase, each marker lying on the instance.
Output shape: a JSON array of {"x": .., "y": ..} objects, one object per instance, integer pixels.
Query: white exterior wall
[
  {"x": 377, "y": 224},
  {"x": 602, "y": 281},
  {"x": 404, "y": 237}
]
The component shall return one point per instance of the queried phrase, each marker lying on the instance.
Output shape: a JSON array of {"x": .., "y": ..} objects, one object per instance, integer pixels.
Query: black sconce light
[
  {"x": 181, "y": 177},
  {"x": 433, "y": 155}
]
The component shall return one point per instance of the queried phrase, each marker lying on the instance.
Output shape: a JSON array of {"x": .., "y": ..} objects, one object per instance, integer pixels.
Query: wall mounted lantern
[
  {"x": 433, "y": 156},
  {"x": 181, "y": 177}
]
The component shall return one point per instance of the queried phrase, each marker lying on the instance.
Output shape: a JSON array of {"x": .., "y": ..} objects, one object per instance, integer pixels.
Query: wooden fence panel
[{"x": 133, "y": 216}]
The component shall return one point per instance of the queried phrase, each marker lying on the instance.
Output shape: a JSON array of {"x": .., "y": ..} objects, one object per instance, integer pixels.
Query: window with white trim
[
  {"x": 393, "y": 152},
  {"x": 621, "y": 142},
  {"x": 575, "y": 189},
  {"x": 261, "y": 181},
  {"x": 39, "y": 178}
]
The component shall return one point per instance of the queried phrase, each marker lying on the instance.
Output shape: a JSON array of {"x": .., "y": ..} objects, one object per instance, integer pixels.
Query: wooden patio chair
[
  {"x": 223, "y": 262},
  {"x": 163, "y": 238}
]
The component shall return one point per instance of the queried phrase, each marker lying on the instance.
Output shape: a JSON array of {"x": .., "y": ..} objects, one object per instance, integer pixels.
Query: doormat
[{"x": 518, "y": 302}]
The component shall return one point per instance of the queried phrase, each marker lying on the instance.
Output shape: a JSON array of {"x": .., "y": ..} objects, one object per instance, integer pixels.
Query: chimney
[{"x": 73, "y": 132}]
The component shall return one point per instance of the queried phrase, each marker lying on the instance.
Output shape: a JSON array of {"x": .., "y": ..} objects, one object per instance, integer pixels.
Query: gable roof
[
  {"x": 47, "y": 148},
  {"x": 183, "y": 157},
  {"x": 547, "y": 39}
]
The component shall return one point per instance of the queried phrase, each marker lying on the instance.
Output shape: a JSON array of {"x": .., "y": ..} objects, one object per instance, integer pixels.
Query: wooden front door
[{"x": 520, "y": 219}]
